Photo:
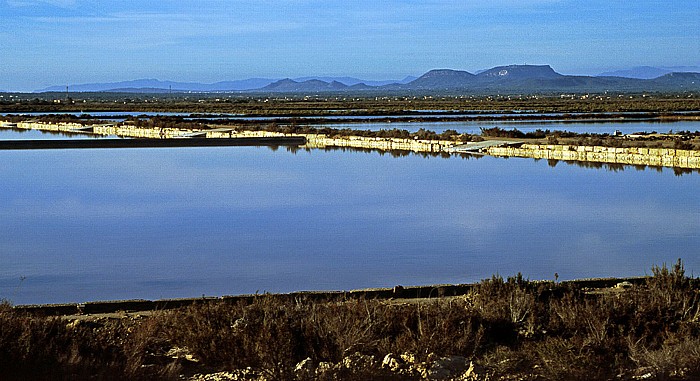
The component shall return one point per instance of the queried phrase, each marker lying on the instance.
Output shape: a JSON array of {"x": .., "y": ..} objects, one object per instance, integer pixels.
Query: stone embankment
[
  {"x": 312, "y": 140},
  {"x": 659, "y": 157},
  {"x": 139, "y": 132},
  {"x": 384, "y": 144},
  {"x": 321, "y": 141},
  {"x": 50, "y": 127},
  {"x": 101, "y": 129}
]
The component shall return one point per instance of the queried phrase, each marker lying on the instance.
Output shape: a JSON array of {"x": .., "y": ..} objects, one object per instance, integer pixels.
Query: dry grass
[{"x": 540, "y": 330}]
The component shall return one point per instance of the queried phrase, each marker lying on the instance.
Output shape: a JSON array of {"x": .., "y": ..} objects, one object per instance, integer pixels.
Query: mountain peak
[
  {"x": 443, "y": 78},
  {"x": 289, "y": 85},
  {"x": 445, "y": 73},
  {"x": 510, "y": 78},
  {"x": 520, "y": 72}
]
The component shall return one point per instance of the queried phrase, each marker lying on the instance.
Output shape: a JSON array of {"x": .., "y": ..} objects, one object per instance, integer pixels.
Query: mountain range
[
  {"x": 157, "y": 86},
  {"x": 505, "y": 79},
  {"x": 649, "y": 72}
]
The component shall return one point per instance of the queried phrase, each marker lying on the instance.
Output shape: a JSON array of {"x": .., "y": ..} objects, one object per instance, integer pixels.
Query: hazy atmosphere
[{"x": 58, "y": 42}]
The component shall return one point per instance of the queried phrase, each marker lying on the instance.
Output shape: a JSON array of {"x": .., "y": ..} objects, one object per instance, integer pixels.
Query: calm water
[
  {"x": 81, "y": 225},
  {"x": 20, "y": 134},
  {"x": 471, "y": 127}
]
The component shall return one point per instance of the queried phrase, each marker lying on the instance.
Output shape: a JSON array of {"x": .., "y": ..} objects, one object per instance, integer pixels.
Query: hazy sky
[{"x": 55, "y": 42}]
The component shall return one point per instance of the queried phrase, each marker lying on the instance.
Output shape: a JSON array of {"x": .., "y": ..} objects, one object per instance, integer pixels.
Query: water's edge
[
  {"x": 397, "y": 292},
  {"x": 662, "y": 157}
]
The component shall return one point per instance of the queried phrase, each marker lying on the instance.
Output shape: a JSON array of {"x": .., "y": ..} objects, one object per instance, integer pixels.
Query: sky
[{"x": 60, "y": 42}]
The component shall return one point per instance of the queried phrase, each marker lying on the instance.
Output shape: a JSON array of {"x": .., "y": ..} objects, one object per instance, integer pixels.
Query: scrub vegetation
[
  {"x": 508, "y": 328},
  {"x": 371, "y": 103}
]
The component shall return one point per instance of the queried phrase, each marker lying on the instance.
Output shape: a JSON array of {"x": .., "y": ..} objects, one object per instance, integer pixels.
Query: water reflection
[
  {"x": 469, "y": 122},
  {"x": 24, "y": 134},
  {"x": 97, "y": 224},
  {"x": 613, "y": 167},
  {"x": 616, "y": 167},
  {"x": 581, "y": 127}
]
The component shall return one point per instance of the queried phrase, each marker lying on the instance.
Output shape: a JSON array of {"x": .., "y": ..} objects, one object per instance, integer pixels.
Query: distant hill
[
  {"x": 542, "y": 79},
  {"x": 451, "y": 79},
  {"x": 141, "y": 84},
  {"x": 141, "y": 90},
  {"x": 649, "y": 72},
  {"x": 408, "y": 79},
  {"x": 442, "y": 79},
  {"x": 680, "y": 80},
  {"x": 244, "y": 84},
  {"x": 519, "y": 72},
  {"x": 520, "y": 79},
  {"x": 157, "y": 86},
  {"x": 316, "y": 84},
  {"x": 640, "y": 72},
  {"x": 350, "y": 81},
  {"x": 538, "y": 79},
  {"x": 290, "y": 85}
]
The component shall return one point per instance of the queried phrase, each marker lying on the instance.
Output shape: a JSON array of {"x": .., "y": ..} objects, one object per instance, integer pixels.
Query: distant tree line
[{"x": 49, "y": 118}]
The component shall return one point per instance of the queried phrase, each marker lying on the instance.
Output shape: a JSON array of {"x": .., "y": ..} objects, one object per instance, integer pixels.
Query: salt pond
[{"x": 81, "y": 225}]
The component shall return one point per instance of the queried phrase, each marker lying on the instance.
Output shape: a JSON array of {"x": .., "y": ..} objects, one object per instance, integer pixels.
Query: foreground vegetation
[{"x": 506, "y": 329}]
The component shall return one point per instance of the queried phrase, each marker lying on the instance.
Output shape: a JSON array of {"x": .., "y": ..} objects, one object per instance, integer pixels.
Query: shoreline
[
  {"x": 229, "y": 136},
  {"x": 655, "y": 157},
  {"x": 149, "y": 143},
  {"x": 500, "y": 329},
  {"x": 397, "y": 292}
]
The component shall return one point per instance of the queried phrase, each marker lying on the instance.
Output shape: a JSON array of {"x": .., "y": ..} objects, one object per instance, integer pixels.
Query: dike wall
[
  {"x": 658, "y": 157},
  {"x": 100, "y": 129},
  {"x": 312, "y": 140},
  {"x": 53, "y": 127},
  {"x": 384, "y": 144},
  {"x": 139, "y": 132},
  {"x": 320, "y": 141}
]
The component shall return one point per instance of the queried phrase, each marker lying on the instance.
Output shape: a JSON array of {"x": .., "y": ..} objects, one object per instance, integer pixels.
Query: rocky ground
[{"x": 358, "y": 366}]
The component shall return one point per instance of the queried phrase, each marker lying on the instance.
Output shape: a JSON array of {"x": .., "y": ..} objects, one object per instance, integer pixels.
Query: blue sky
[{"x": 54, "y": 42}]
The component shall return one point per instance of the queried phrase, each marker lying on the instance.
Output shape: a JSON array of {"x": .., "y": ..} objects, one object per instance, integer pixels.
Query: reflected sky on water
[
  {"x": 80, "y": 225},
  {"x": 470, "y": 127},
  {"x": 22, "y": 134}
]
